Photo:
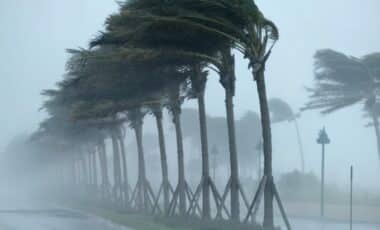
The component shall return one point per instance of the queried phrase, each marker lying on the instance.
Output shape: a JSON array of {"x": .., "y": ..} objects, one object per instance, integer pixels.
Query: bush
[{"x": 299, "y": 186}]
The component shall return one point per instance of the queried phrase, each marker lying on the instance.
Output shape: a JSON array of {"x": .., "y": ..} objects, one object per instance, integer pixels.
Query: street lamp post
[{"x": 323, "y": 140}]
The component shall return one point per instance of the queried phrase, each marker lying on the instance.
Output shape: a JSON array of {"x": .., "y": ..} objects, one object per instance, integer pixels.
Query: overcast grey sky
[{"x": 35, "y": 34}]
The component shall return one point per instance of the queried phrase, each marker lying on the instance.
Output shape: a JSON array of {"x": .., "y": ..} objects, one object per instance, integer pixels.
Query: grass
[
  {"x": 196, "y": 223},
  {"x": 134, "y": 221},
  {"x": 145, "y": 222}
]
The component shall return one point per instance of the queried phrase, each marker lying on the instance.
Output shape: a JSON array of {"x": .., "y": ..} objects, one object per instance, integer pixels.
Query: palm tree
[
  {"x": 246, "y": 140},
  {"x": 227, "y": 80},
  {"x": 125, "y": 183},
  {"x": 103, "y": 167},
  {"x": 342, "y": 81},
  {"x": 135, "y": 116},
  {"x": 198, "y": 81},
  {"x": 175, "y": 97},
  {"x": 165, "y": 186},
  {"x": 281, "y": 111},
  {"x": 117, "y": 173}
]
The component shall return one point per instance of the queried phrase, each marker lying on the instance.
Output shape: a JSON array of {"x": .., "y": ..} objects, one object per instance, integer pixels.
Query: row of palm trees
[{"x": 152, "y": 56}]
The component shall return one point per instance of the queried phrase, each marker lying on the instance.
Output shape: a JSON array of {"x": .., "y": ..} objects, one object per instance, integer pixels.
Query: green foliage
[
  {"x": 280, "y": 111},
  {"x": 299, "y": 187},
  {"x": 146, "y": 56},
  {"x": 247, "y": 132},
  {"x": 342, "y": 81}
]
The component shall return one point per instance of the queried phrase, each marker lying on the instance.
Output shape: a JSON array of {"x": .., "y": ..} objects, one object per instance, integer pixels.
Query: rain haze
[{"x": 36, "y": 34}]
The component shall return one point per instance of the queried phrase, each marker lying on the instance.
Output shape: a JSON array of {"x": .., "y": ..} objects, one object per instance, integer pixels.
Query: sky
[{"x": 35, "y": 34}]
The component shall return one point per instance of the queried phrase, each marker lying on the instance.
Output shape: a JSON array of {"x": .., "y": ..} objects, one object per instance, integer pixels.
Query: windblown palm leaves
[
  {"x": 342, "y": 81},
  {"x": 280, "y": 112},
  {"x": 155, "y": 54},
  {"x": 190, "y": 42}
]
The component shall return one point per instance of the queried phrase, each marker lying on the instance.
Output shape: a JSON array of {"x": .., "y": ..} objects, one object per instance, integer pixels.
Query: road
[
  {"x": 28, "y": 214},
  {"x": 310, "y": 224},
  {"x": 52, "y": 219}
]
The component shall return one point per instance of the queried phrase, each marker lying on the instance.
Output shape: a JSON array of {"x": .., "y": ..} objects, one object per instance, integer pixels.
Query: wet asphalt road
[{"x": 52, "y": 219}]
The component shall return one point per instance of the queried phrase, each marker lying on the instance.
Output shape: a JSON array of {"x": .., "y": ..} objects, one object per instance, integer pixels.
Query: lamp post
[
  {"x": 214, "y": 153},
  {"x": 323, "y": 140},
  {"x": 351, "y": 184}
]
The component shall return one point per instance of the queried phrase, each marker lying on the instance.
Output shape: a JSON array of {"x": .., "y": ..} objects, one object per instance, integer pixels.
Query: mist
[{"x": 34, "y": 41}]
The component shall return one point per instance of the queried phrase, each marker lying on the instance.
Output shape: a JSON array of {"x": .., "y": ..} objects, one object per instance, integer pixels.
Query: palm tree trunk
[
  {"x": 227, "y": 79},
  {"x": 78, "y": 171},
  {"x": 206, "y": 210},
  {"x": 103, "y": 168},
  {"x": 81, "y": 171},
  {"x": 90, "y": 171},
  {"x": 299, "y": 140},
  {"x": 95, "y": 170},
  {"x": 198, "y": 81},
  {"x": 164, "y": 163},
  {"x": 267, "y": 144},
  {"x": 84, "y": 170},
  {"x": 377, "y": 132},
  {"x": 103, "y": 160},
  {"x": 116, "y": 166},
  {"x": 235, "y": 206},
  {"x": 73, "y": 171},
  {"x": 124, "y": 166},
  {"x": 141, "y": 196},
  {"x": 181, "y": 162}
]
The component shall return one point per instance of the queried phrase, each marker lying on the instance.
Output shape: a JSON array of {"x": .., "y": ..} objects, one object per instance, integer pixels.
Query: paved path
[
  {"x": 26, "y": 214},
  {"x": 52, "y": 219},
  {"x": 310, "y": 224}
]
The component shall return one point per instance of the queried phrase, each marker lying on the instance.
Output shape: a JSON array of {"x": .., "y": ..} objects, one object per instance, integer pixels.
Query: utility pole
[{"x": 323, "y": 140}]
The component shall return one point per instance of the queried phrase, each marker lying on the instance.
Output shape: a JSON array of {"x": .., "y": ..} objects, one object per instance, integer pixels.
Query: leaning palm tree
[
  {"x": 227, "y": 80},
  {"x": 342, "y": 81},
  {"x": 280, "y": 112},
  {"x": 198, "y": 80},
  {"x": 120, "y": 132},
  {"x": 135, "y": 116},
  {"x": 175, "y": 91},
  {"x": 157, "y": 111}
]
